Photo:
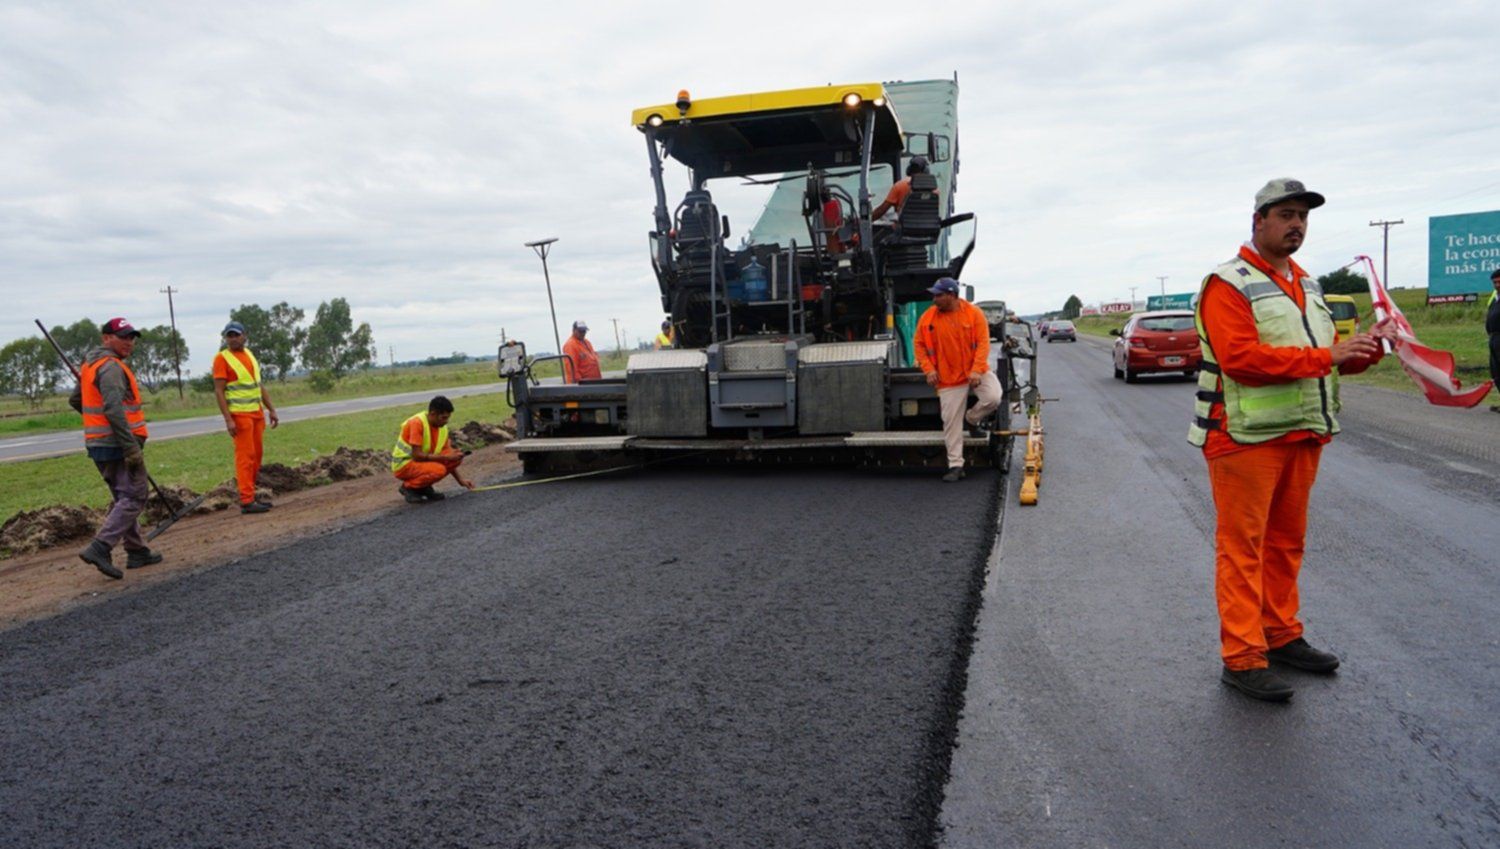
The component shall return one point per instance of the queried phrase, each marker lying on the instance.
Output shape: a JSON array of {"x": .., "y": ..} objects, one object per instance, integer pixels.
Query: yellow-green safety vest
[
  {"x": 401, "y": 454},
  {"x": 1255, "y": 414},
  {"x": 242, "y": 393}
]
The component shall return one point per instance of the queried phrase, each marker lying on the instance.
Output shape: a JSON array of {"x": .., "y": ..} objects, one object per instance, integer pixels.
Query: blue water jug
[{"x": 754, "y": 282}]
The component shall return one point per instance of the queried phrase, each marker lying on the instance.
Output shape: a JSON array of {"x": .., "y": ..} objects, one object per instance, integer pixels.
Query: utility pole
[
  {"x": 176, "y": 361},
  {"x": 1132, "y": 297},
  {"x": 542, "y": 248},
  {"x": 1163, "y": 279},
  {"x": 392, "y": 350},
  {"x": 616, "y": 323},
  {"x": 1385, "y": 249}
]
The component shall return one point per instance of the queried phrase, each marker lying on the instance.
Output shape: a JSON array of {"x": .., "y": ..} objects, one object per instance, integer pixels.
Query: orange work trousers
[
  {"x": 248, "y": 431},
  {"x": 1261, "y": 495},
  {"x": 415, "y": 475}
]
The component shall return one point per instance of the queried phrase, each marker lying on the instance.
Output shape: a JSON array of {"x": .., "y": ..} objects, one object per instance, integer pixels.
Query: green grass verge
[
  {"x": 1099, "y": 325},
  {"x": 17, "y": 419},
  {"x": 1456, "y": 328},
  {"x": 203, "y": 462}
]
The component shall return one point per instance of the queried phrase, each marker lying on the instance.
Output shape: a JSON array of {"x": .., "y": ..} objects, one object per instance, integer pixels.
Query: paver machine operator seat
[
  {"x": 917, "y": 225},
  {"x": 699, "y": 234}
]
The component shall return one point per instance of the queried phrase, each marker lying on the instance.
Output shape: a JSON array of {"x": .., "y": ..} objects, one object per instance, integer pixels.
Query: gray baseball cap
[{"x": 1285, "y": 188}]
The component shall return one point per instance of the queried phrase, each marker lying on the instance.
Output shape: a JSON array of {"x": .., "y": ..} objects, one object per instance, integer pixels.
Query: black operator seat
[
  {"x": 697, "y": 228},
  {"x": 920, "y": 218}
]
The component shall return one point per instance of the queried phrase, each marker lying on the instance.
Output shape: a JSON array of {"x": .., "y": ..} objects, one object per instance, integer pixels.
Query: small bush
[{"x": 322, "y": 381}]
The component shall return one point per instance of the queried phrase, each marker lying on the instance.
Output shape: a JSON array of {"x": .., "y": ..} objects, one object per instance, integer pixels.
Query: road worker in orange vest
[
  {"x": 952, "y": 344},
  {"x": 245, "y": 404},
  {"x": 1268, "y": 394},
  {"x": 580, "y": 361},
  {"x": 422, "y": 455},
  {"x": 114, "y": 432}
]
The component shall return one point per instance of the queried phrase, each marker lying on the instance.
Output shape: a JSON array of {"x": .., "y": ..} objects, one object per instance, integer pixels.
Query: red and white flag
[{"x": 1432, "y": 370}]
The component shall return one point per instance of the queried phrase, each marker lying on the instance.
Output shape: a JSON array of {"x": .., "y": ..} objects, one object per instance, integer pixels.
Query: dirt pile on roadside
[
  {"x": 157, "y": 511},
  {"x": 34, "y": 530},
  {"x": 345, "y": 464},
  {"x": 479, "y": 434}
]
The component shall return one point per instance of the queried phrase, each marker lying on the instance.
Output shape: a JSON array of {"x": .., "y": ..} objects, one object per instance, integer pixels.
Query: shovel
[{"x": 181, "y": 509}]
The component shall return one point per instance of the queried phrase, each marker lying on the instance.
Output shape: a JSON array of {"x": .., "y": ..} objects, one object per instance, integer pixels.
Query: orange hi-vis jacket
[
  {"x": 954, "y": 344},
  {"x": 95, "y": 423},
  {"x": 582, "y": 362},
  {"x": 1230, "y": 323}
]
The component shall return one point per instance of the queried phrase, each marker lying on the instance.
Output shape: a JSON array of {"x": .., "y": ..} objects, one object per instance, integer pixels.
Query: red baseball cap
[{"x": 120, "y": 327}]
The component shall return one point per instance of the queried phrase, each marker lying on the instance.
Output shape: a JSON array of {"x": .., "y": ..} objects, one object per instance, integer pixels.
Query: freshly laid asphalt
[
  {"x": 671, "y": 658},
  {"x": 1094, "y": 714}
]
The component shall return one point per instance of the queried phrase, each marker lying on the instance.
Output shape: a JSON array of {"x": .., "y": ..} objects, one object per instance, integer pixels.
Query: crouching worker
[{"x": 422, "y": 455}]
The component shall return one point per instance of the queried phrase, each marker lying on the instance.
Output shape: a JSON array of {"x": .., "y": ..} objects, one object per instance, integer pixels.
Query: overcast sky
[{"x": 398, "y": 155}]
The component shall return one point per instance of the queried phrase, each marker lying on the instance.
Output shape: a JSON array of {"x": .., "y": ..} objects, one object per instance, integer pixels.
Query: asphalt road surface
[
  {"x": 733, "y": 658},
  {"x": 676, "y": 658},
  {"x": 1094, "y": 714}
]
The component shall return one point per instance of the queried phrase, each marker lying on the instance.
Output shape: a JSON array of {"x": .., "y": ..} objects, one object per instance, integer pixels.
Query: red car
[{"x": 1157, "y": 342}]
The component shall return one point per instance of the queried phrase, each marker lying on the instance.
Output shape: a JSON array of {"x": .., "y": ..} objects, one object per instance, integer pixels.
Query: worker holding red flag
[{"x": 1268, "y": 396}]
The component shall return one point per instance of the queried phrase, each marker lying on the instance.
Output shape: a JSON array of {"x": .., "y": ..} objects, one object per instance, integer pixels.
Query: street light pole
[
  {"x": 1163, "y": 279},
  {"x": 1132, "y": 297},
  {"x": 542, "y": 247},
  {"x": 176, "y": 361}
]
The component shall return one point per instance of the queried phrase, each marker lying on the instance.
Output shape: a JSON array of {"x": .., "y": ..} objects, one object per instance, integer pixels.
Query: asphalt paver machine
[{"x": 795, "y": 344}]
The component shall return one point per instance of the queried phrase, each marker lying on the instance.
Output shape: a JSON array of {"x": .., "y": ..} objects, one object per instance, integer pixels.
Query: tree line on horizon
[{"x": 329, "y": 347}]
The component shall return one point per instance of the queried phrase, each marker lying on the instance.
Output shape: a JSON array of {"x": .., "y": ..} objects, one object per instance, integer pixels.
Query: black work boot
[
  {"x": 954, "y": 474},
  {"x": 254, "y": 507},
  {"x": 1260, "y": 684},
  {"x": 1299, "y": 655},
  {"x": 412, "y": 496},
  {"x": 141, "y": 557},
  {"x": 97, "y": 553},
  {"x": 264, "y": 502},
  {"x": 431, "y": 494}
]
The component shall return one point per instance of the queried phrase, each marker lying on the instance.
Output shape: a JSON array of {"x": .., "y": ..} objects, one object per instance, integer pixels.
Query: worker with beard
[{"x": 1268, "y": 393}]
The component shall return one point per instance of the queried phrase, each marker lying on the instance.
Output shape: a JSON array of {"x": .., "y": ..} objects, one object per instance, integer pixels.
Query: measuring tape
[
  {"x": 576, "y": 475},
  {"x": 514, "y": 484}
]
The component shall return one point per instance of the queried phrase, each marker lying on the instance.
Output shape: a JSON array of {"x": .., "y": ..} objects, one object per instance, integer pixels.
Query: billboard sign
[
  {"x": 1089, "y": 311},
  {"x": 1462, "y": 251},
  {"x": 1118, "y": 307},
  {"x": 1178, "y": 301}
]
